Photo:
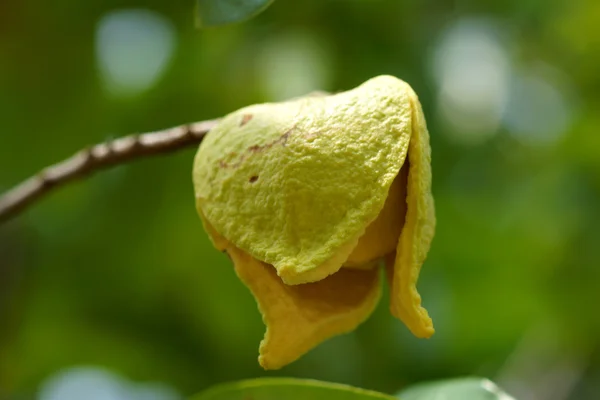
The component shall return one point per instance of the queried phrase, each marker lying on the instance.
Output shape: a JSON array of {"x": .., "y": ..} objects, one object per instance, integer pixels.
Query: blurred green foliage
[{"x": 117, "y": 272}]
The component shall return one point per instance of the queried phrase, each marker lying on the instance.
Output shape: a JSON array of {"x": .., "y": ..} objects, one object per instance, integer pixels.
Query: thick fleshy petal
[
  {"x": 300, "y": 317},
  {"x": 418, "y": 231},
  {"x": 295, "y": 184}
]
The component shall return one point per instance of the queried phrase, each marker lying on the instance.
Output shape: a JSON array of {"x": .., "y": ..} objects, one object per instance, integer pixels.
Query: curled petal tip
[{"x": 300, "y": 317}]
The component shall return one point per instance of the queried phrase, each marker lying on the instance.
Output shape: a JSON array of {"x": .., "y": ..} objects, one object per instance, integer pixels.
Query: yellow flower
[{"x": 309, "y": 196}]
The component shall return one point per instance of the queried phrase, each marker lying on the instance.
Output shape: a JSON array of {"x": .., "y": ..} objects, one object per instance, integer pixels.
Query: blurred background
[{"x": 110, "y": 289}]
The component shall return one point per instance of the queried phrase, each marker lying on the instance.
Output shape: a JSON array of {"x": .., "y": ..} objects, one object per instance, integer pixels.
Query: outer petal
[
  {"x": 418, "y": 231},
  {"x": 295, "y": 184},
  {"x": 300, "y": 317}
]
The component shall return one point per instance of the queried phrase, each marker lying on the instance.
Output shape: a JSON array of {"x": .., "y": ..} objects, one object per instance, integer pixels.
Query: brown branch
[{"x": 98, "y": 157}]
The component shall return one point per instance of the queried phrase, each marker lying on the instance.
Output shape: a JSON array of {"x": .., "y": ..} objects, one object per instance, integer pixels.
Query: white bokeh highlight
[
  {"x": 91, "y": 383},
  {"x": 133, "y": 49},
  {"x": 294, "y": 64},
  {"x": 539, "y": 112},
  {"x": 472, "y": 71}
]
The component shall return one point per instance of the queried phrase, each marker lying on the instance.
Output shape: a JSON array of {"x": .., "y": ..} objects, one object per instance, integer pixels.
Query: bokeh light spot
[
  {"x": 538, "y": 112},
  {"x": 92, "y": 383},
  {"x": 472, "y": 72},
  {"x": 133, "y": 48},
  {"x": 294, "y": 64}
]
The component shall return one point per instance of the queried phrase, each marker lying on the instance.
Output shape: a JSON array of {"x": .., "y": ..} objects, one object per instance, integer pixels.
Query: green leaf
[
  {"x": 287, "y": 389},
  {"x": 455, "y": 389},
  {"x": 221, "y": 12}
]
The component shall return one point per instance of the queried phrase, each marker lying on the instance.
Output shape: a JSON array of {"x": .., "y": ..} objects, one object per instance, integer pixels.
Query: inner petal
[
  {"x": 299, "y": 317},
  {"x": 381, "y": 236}
]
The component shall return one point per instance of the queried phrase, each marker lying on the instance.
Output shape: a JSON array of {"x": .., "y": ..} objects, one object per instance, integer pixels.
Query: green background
[{"x": 116, "y": 273}]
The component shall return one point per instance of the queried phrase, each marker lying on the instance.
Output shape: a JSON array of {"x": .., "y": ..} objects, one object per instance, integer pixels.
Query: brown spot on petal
[
  {"x": 228, "y": 161},
  {"x": 253, "y": 178},
  {"x": 245, "y": 119}
]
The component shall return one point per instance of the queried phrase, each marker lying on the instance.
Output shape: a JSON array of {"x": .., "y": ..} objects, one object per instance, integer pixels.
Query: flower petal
[
  {"x": 381, "y": 236},
  {"x": 215, "y": 237},
  {"x": 418, "y": 231},
  {"x": 300, "y": 317},
  {"x": 295, "y": 184}
]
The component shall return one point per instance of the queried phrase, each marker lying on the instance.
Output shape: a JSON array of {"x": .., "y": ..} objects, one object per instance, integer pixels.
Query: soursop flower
[{"x": 308, "y": 197}]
